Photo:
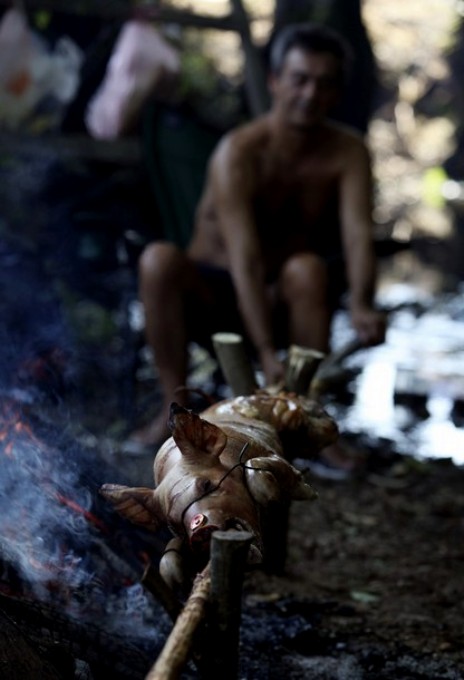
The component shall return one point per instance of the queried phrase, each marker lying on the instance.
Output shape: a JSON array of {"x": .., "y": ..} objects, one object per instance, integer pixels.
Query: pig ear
[
  {"x": 274, "y": 479},
  {"x": 193, "y": 435},
  {"x": 302, "y": 491},
  {"x": 262, "y": 485},
  {"x": 137, "y": 504}
]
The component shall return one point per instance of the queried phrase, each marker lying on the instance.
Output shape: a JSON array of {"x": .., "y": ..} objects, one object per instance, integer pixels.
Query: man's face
[{"x": 307, "y": 87}]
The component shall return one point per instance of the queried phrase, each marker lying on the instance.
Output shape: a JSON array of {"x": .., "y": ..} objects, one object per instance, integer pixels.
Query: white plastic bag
[
  {"x": 142, "y": 62},
  {"x": 30, "y": 72}
]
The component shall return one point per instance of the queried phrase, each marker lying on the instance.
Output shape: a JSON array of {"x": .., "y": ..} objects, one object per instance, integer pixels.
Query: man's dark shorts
[{"x": 221, "y": 313}]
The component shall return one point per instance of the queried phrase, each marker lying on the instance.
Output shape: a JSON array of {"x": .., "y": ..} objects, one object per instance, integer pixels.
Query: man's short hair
[{"x": 310, "y": 37}]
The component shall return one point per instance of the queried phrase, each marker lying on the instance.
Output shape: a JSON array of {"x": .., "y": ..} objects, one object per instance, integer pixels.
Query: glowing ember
[{"x": 53, "y": 538}]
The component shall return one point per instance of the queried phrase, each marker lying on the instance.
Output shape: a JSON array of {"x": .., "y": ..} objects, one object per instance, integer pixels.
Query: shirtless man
[{"x": 285, "y": 212}]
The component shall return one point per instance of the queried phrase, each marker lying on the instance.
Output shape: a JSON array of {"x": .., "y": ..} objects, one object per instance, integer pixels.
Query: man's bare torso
[{"x": 294, "y": 194}]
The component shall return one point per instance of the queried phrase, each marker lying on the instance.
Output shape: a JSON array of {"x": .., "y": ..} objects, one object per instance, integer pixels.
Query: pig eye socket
[{"x": 204, "y": 485}]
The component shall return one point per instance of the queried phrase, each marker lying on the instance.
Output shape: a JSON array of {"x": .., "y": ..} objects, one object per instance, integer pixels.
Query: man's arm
[
  {"x": 234, "y": 181},
  {"x": 356, "y": 220}
]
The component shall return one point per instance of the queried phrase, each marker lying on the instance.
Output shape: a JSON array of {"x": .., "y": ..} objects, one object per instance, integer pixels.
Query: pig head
[{"x": 215, "y": 472}]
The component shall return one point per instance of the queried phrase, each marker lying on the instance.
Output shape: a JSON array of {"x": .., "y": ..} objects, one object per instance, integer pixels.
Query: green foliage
[
  {"x": 215, "y": 97},
  {"x": 198, "y": 74},
  {"x": 41, "y": 19}
]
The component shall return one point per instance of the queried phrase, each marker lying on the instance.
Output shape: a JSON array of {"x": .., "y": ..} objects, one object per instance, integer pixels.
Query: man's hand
[
  {"x": 273, "y": 369},
  {"x": 370, "y": 325}
]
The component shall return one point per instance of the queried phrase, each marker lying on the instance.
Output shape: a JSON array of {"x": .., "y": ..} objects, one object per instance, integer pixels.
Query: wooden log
[
  {"x": 302, "y": 364},
  {"x": 179, "y": 644},
  {"x": 235, "y": 363},
  {"x": 229, "y": 551}
]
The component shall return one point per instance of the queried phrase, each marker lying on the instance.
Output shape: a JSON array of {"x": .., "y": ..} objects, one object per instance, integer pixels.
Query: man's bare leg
[
  {"x": 304, "y": 285},
  {"x": 164, "y": 273}
]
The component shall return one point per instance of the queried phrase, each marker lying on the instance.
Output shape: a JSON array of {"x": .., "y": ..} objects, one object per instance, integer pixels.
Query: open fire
[{"x": 66, "y": 561}]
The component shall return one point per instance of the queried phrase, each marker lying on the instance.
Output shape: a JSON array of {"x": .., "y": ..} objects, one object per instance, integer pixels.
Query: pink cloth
[{"x": 142, "y": 63}]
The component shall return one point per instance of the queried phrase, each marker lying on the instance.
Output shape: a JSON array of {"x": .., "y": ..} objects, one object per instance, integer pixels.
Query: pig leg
[{"x": 172, "y": 566}]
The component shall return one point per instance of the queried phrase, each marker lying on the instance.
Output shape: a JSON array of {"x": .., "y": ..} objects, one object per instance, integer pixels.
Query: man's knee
[
  {"x": 160, "y": 260},
  {"x": 304, "y": 273}
]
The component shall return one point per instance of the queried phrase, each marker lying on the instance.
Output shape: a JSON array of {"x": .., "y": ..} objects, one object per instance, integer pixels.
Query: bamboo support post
[
  {"x": 215, "y": 597},
  {"x": 235, "y": 363},
  {"x": 275, "y": 522},
  {"x": 302, "y": 364},
  {"x": 330, "y": 367},
  {"x": 229, "y": 550},
  {"x": 178, "y": 647},
  {"x": 154, "y": 583}
]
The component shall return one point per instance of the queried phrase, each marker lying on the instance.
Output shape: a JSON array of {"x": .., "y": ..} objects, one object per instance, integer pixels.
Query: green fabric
[{"x": 177, "y": 148}]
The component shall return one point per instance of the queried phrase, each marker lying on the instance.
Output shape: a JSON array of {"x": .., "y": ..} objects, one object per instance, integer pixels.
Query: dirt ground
[{"x": 375, "y": 567}]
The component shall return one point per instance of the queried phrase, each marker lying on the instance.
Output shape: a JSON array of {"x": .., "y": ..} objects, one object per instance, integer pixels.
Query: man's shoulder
[
  {"x": 246, "y": 137},
  {"x": 348, "y": 145},
  {"x": 346, "y": 134}
]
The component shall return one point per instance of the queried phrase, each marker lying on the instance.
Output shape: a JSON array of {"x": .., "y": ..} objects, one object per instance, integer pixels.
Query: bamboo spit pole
[
  {"x": 176, "y": 651},
  {"x": 235, "y": 363}
]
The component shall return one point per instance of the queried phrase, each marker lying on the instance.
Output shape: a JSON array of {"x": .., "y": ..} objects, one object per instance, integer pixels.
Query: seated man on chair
[{"x": 283, "y": 228}]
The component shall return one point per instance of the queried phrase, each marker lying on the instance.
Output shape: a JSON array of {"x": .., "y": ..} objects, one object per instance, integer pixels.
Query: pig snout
[
  {"x": 201, "y": 538},
  {"x": 202, "y": 528}
]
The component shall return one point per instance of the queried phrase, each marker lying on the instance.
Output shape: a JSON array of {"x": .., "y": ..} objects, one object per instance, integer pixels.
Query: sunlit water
[{"x": 405, "y": 389}]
